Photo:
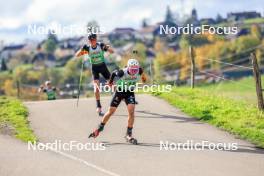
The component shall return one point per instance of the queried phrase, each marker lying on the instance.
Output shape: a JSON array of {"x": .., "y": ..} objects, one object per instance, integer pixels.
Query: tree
[
  {"x": 245, "y": 42},
  {"x": 219, "y": 18},
  {"x": 20, "y": 73},
  {"x": 256, "y": 31},
  {"x": 71, "y": 72},
  {"x": 169, "y": 16},
  {"x": 50, "y": 44},
  {"x": 193, "y": 40},
  {"x": 157, "y": 71},
  {"x": 185, "y": 41},
  {"x": 55, "y": 75},
  {"x": 3, "y": 65},
  {"x": 141, "y": 52},
  {"x": 53, "y": 36},
  {"x": 9, "y": 88},
  {"x": 93, "y": 27},
  {"x": 140, "y": 55},
  {"x": 194, "y": 15},
  {"x": 159, "y": 46},
  {"x": 144, "y": 23}
]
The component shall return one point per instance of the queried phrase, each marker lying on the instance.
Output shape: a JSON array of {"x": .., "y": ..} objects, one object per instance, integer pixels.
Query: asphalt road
[{"x": 156, "y": 121}]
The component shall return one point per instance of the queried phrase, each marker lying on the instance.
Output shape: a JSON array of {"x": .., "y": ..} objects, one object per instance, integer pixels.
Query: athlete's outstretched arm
[
  {"x": 110, "y": 49},
  {"x": 41, "y": 88},
  {"x": 81, "y": 52},
  {"x": 84, "y": 50},
  {"x": 107, "y": 48}
]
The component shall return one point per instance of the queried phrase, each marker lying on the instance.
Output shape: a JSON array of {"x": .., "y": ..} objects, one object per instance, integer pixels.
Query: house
[
  {"x": 209, "y": 21},
  {"x": 124, "y": 49},
  {"x": 193, "y": 19},
  {"x": 104, "y": 38},
  {"x": 67, "y": 47},
  {"x": 71, "y": 43},
  {"x": 171, "y": 75},
  {"x": 239, "y": 16},
  {"x": 43, "y": 60},
  {"x": 147, "y": 34},
  {"x": 122, "y": 34},
  {"x": 11, "y": 50}
]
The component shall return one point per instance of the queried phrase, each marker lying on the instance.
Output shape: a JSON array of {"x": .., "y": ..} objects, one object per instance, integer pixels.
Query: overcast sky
[{"x": 16, "y": 15}]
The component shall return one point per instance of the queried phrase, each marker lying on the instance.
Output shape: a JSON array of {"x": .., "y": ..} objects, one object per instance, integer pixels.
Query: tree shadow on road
[
  {"x": 246, "y": 150},
  {"x": 180, "y": 119},
  {"x": 241, "y": 148},
  {"x": 140, "y": 144}
]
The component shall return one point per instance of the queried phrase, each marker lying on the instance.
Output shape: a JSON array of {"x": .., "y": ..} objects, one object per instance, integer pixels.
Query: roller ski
[
  {"x": 94, "y": 134},
  {"x": 131, "y": 140}
]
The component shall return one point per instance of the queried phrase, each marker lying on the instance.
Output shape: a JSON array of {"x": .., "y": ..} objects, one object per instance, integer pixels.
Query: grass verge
[
  {"x": 241, "y": 90},
  {"x": 233, "y": 116},
  {"x": 13, "y": 115}
]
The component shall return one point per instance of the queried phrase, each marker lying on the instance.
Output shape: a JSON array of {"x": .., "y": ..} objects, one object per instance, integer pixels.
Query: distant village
[{"x": 123, "y": 40}]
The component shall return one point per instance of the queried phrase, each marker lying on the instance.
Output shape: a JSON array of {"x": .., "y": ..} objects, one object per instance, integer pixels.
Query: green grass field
[
  {"x": 242, "y": 90},
  {"x": 236, "y": 117},
  {"x": 13, "y": 119},
  {"x": 254, "y": 21}
]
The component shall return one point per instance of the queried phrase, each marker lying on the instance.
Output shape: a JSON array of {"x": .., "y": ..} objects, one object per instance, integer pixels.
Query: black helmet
[{"x": 92, "y": 36}]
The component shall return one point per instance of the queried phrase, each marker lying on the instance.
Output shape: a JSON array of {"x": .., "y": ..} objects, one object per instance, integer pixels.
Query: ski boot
[
  {"x": 96, "y": 132},
  {"x": 131, "y": 140}
]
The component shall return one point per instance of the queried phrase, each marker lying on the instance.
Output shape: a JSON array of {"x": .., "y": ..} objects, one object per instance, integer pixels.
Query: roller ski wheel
[
  {"x": 131, "y": 140},
  {"x": 94, "y": 134},
  {"x": 100, "y": 112}
]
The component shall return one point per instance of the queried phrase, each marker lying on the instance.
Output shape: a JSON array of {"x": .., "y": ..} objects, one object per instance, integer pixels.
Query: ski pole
[{"x": 80, "y": 83}]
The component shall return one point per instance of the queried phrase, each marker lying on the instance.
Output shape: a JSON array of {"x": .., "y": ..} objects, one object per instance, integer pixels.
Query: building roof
[
  {"x": 43, "y": 56},
  {"x": 243, "y": 13},
  {"x": 123, "y": 30},
  {"x": 14, "y": 47},
  {"x": 249, "y": 14},
  {"x": 148, "y": 29}
]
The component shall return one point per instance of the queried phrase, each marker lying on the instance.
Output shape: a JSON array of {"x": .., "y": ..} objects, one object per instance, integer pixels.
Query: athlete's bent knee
[{"x": 131, "y": 112}]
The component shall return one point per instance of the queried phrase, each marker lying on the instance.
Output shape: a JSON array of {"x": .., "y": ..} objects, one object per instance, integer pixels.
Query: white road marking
[{"x": 84, "y": 162}]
